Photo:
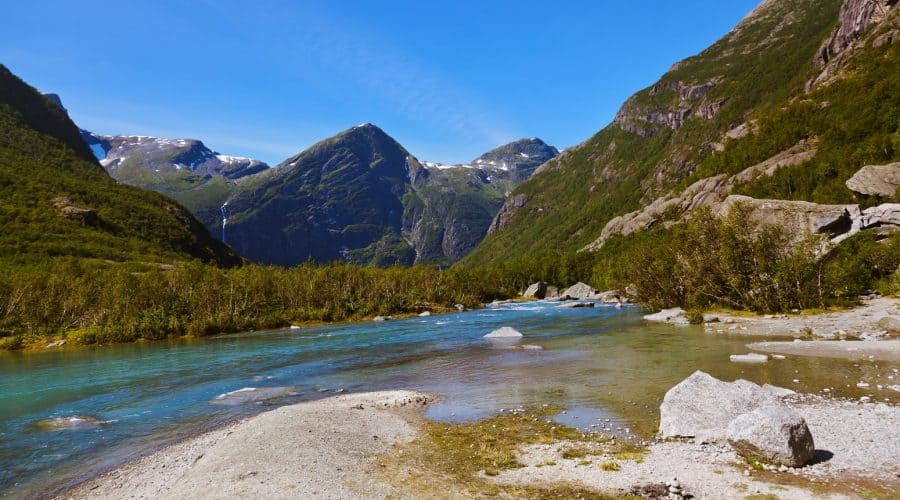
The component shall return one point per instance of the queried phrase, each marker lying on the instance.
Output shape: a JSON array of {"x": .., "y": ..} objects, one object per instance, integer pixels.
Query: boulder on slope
[
  {"x": 580, "y": 291},
  {"x": 876, "y": 180}
]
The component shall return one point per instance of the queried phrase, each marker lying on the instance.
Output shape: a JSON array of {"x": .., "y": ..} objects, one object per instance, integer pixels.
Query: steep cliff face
[
  {"x": 855, "y": 18},
  {"x": 737, "y": 104}
]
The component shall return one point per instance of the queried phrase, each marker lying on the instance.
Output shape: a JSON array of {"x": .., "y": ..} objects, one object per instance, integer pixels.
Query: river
[{"x": 601, "y": 363}]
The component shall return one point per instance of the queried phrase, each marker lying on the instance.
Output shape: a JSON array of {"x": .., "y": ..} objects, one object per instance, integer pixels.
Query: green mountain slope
[
  {"x": 777, "y": 79},
  {"x": 55, "y": 200}
]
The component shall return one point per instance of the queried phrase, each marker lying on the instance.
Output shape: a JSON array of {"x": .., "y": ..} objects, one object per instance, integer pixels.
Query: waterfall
[{"x": 224, "y": 211}]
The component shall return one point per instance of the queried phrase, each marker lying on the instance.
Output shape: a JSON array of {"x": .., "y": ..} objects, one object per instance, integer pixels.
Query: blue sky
[{"x": 448, "y": 80}]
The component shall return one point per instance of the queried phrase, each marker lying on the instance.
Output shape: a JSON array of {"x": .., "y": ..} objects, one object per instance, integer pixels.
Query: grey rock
[
  {"x": 580, "y": 291},
  {"x": 576, "y": 305},
  {"x": 748, "y": 358},
  {"x": 701, "y": 406},
  {"x": 505, "y": 332},
  {"x": 675, "y": 315},
  {"x": 382, "y": 318},
  {"x": 774, "y": 433},
  {"x": 424, "y": 314},
  {"x": 876, "y": 180},
  {"x": 884, "y": 215},
  {"x": 890, "y": 324},
  {"x": 537, "y": 290},
  {"x": 57, "y": 343},
  {"x": 460, "y": 307},
  {"x": 776, "y": 391},
  {"x": 552, "y": 292}
]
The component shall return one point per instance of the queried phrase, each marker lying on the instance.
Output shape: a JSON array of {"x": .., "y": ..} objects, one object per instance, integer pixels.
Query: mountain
[
  {"x": 361, "y": 197},
  {"x": 321, "y": 204},
  {"x": 451, "y": 206},
  {"x": 183, "y": 169},
  {"x": 789, "y": 105},
  {"x": 58, "y": 201}
]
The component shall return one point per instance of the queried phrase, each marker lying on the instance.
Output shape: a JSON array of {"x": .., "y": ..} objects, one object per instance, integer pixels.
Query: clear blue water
[{"x": 597, "y": 363}]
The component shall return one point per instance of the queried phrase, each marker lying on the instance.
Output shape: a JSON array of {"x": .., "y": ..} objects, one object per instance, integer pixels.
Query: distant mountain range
[{"x": 358, "y": 196}]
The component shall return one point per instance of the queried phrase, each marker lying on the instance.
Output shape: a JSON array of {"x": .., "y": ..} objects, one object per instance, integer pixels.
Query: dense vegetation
[
  {"x": 97, "y": 302},
  {"x": 56, "y": 200}
]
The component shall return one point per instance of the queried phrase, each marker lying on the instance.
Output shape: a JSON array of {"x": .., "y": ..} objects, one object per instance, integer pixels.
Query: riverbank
[
  {"x": 378, "y": 444},
  {"x": 320, "y": 448},
  {"x": 866, "y": 321}
]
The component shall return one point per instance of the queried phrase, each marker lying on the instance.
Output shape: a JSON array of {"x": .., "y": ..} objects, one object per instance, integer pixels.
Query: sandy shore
[{"x": 316, "y": 449}]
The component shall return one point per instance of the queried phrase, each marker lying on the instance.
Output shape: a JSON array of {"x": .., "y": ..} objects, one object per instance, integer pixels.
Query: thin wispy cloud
[{"x": 413, "y": 87}]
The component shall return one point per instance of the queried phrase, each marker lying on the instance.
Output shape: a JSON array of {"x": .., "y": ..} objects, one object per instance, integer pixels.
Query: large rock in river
[
  {"x": 504, "y": 333},
  {"x": 876, "y": 180},
  {"x": 580, "y": 291},
  {"x": 537, "y": 290},
  {"x": 774, "y": 433},
  {"x": 702, "y": 406}
]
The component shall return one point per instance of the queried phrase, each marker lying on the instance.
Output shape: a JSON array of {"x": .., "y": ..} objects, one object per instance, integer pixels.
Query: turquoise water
[{"x": 130, "y": 399}]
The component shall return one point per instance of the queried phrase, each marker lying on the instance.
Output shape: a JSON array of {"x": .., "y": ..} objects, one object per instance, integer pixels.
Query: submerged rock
[
  {"x": 504, "y": 333},
  {"x": 382, "y": 318},
  {"x": 253, "y": 395},
  {"x": 576, "y": 305},
  {"x": 74, "y": 422},
  {"x": 748, "y": 358},
  {"x": 774, "y": 433}
]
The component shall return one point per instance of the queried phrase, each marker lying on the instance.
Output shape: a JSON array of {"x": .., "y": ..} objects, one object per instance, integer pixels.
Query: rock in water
[
  {"x": 702, "y": 406},
  {"x": 774, "y": 433},
  {"x": 575, "y": 305},
  {"x": 876, "y": 180},
  {"x": 382, "y": 318},
  {"x": 580, "y": 291},
  {"x": 537, "y": 290},
  {"x": 424, "y": 314},
  {"x": 749, "y": 358},
  {"x": 675, "y": 315},
  {"x": 504, "y": 333}
]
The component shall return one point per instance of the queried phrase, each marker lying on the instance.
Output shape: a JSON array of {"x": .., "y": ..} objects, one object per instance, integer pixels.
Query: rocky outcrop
[
  {"x": 876, "y": 180},
  {"x": 510, "y": 207},
  {"x": 687, "y": 100},
  {"x": 671, "y": 209},
  {"x": 81, "y": 215},
  {"x": 801, "y": 217},
  {"x": 775, "y": 434},
  {"x": 855, "y": 18}
]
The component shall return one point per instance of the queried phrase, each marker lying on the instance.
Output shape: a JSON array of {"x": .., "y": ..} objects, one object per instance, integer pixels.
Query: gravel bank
[
  {"x": 316, "y": 449},
  {"x": 860, "y": 321},
  {"x": 854, "y": 442},
  {"x": 882, "y": 350}
]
